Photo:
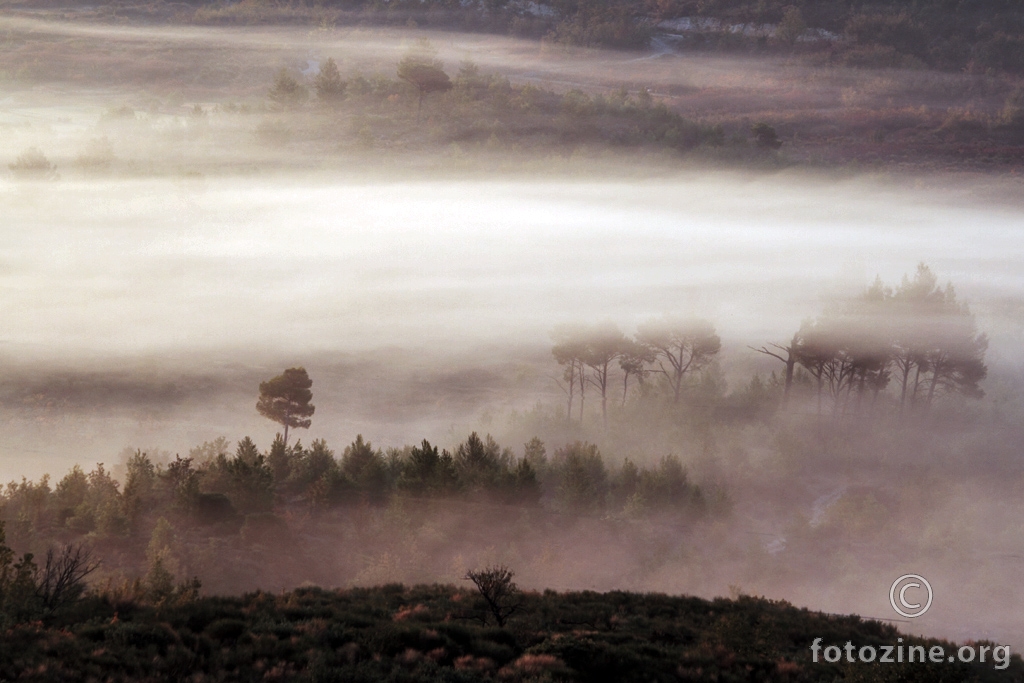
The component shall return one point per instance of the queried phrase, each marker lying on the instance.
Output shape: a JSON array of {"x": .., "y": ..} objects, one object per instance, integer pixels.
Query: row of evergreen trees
[{"x": 214, "y": 486}]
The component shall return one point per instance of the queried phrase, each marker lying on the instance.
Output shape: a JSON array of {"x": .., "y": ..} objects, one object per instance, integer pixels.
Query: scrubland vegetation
[{"x": 440, "y": 633}]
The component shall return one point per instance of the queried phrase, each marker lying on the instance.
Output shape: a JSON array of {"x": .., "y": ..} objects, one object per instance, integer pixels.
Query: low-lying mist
[
  {"x": 425, "y": 310},
  {"x": 183, "y": 239}
]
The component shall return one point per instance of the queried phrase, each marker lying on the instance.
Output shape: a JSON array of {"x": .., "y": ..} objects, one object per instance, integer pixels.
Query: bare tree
[
  {"x": 62, "y": 577},
  {"x": 499, "y": 591},
  {"x": 790, "y": 360}
]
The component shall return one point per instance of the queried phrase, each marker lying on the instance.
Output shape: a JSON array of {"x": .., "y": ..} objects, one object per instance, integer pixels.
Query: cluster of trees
[
  {"x": 187, "y": 516},
  {"x": 915, "y": 344},
  {"x": 575, "y": 479},
  {"x": 212, "y": 486},
  {"x": 476, "y": 108},
  {"x": 918, "y": 338},
  {"x": 672, "y": 348}
]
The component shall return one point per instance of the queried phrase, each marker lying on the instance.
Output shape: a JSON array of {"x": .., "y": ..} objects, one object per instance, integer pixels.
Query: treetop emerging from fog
[{"x": 918, "y": 336}]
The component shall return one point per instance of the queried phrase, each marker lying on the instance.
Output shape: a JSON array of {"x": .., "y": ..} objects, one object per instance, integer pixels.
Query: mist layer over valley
[{"x": 186, "y": 238}]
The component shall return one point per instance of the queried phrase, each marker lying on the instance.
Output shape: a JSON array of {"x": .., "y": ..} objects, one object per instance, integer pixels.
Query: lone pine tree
[{"x": 285, "y": 399}]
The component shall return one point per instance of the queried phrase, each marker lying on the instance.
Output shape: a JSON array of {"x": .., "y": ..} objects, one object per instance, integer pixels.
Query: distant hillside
[
  {"x": 436, "y": 633},
  {"x": 979, "y": 36}
]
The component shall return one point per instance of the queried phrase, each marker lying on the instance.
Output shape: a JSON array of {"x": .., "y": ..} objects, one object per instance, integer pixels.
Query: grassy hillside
[{"x": 442, "y": 633}]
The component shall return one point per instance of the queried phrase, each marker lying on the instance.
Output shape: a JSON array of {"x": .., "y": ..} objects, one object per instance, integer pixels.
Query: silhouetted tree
[
  {"x": 498, "y": 590},
  {"x": 183, "y": 481},
  {"x": 603, "y": 345},
  {"x": 633, "y": 360},
  {"x": 478, "y": 462},
  {"x": 919, "y": 334},
  {"x": 365, "y": 468},
  {"x": 138, "y": 485},
  {"x": 536, "y": 454},
  {"x": 285, "y": 399},
  {"x": 936, "y": 346},
  {"x": 680, "y": 347},
  {"x": 251, "y": 478},
  {"x": 61, "y": 580},
  {"x": 789, "y": 357},
  {"x": 427, "y": 471},
  {"x": 525, "y": 485}
]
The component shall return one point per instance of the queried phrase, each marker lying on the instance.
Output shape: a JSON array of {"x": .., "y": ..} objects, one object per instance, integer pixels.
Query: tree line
[
  {"x": 917, "y": 340},
  {"x": 471, "y": 107}
]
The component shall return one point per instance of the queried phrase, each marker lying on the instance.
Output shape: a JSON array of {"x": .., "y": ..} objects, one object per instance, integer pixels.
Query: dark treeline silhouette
[
  {"x": 213, "y": 486},
  {"x": 255, "y": 497}
]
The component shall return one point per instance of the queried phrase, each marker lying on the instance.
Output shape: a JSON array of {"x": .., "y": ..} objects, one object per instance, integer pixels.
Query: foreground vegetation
[{"x": 443, "y": 633}]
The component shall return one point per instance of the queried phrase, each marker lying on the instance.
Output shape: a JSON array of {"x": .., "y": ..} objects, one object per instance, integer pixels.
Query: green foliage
[
  {"x": 140, "y": 479},
  {"x": 365, "y": 468},
  {"x": 479, "y": 463},
  {"x": 421, "y": 69},
  {"x": 427, "y": 472},
  {"x": 183, "y": 481},
  {"x": 287, "y": 92},
  {"x": 285, "y": 399},
  {"x": 582, "y": 477},
  {"x": 330, "y": 87}
]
